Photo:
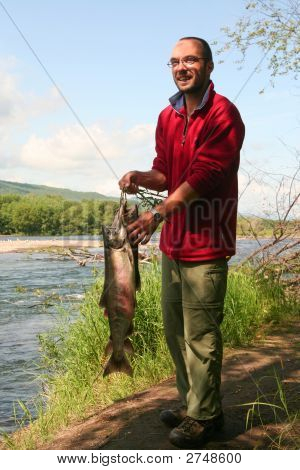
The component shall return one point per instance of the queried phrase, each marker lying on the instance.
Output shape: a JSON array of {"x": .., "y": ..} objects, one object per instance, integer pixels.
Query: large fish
[{"x": 122, "y": 279}]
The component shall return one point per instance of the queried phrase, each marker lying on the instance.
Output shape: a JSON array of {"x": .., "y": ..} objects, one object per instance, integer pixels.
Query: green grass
[
  {"x": 286, "y": 415},
  {"x": 72, "y": 354},
  {"x": 252, "y": 301}
]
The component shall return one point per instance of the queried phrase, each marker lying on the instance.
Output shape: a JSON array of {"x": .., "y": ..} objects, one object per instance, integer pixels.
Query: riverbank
[
  {"x": 269, "y": 368},
  {"x": 73, "y": 353},
  {"x": 247, "y": 373},
  {"x": 18, "y": 246}
]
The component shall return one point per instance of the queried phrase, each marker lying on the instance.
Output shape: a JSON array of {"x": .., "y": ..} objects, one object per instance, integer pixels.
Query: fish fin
[
  {"x": 118, "y": 366},
  {"x": 105, "y": 313},
  {"x": 128, "y": 348},
  {"x": 108, "y": 348},
  {"x": 102, "y": 301},
  {"x": 135, "y": 253},
  {"x": 130, "y": 329},
  {"x": 137, "y": 280}
]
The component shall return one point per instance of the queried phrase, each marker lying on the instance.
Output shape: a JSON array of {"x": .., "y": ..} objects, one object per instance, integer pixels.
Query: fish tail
[
  {"x": 105, "y": 313},
  {"x": 109, "y": 348},
  {"x": 114, "y": 365},
  {"x": 128, "y": 348}
]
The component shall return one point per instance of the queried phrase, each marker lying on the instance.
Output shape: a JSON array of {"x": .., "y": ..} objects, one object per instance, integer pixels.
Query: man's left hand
[{"x": 142, "y": 229}]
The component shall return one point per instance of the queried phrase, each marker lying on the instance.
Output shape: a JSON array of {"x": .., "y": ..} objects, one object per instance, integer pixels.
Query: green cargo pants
[{"x": 192, "y": 302}]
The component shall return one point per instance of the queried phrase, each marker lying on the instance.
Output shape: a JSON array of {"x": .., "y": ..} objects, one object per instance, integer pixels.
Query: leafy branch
[{"x": 273, "y": 27}]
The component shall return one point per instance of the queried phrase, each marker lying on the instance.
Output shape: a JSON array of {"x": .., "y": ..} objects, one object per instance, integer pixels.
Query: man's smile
[{"x": 184, "y": 78}]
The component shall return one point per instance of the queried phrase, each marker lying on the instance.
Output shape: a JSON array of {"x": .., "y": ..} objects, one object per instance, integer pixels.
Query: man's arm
[
  {"x": 181, "y": 197},
  {"x": 152, "y": 179},
  {"x": 142, "y": 229}
]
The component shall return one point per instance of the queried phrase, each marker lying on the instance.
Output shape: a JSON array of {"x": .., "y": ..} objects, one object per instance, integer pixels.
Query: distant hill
[{"x": 8, "y": 187}]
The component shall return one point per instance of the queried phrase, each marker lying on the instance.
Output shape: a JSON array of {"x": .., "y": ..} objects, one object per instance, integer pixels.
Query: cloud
[
  {"x": 12, "y": 102},
  {"x": 265, "y": 196},
  {"x": 18, "y": 107},
  {"x": 71, "y": 149}
]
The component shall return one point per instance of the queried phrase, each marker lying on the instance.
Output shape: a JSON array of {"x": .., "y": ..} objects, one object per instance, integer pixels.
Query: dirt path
[{"x": 134, "y": 423}]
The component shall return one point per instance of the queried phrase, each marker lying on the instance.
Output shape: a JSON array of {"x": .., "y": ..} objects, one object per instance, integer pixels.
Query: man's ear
[{"x": 210, "y": 66}]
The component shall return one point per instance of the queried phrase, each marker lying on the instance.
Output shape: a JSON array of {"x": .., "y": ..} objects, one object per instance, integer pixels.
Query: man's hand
[
  {"x": 152, "y": 179},
  {"x": 142, "y": 229},
  {"x": 128, "y": 182}
]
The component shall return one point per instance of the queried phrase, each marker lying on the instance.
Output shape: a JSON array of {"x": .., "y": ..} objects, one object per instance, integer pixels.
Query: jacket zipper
[{"x": 185, "y": 130}]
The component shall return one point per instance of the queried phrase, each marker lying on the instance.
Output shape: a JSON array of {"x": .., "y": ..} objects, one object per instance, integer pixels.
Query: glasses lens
[
  {"x": 189, "y": 62},
  {"x": 173, "y": 63}
]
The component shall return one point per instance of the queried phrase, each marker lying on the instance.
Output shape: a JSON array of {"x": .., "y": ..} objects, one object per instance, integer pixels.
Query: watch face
[{"x": 157, "y": 217}]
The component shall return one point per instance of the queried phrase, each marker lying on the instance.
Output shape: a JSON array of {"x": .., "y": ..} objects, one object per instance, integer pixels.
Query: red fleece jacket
[{"x": 205, "y": 152}]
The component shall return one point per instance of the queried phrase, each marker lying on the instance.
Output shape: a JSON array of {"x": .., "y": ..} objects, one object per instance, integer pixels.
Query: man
[{"x": 198, "y": 141}]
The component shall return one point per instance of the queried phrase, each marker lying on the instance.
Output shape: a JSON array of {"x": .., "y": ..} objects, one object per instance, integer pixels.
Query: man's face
[{"x": 190, "y": 78}]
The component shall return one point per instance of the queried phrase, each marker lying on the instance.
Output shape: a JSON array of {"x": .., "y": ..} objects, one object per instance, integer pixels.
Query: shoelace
[{"x": 187, "y": 423}]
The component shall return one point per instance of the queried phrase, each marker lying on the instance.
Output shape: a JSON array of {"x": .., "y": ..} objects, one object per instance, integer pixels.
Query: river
[{"x": 34, "y": 286}]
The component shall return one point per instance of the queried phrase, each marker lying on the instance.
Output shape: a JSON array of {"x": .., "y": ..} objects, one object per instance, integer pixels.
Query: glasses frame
[{"x": 184, "y": 60}]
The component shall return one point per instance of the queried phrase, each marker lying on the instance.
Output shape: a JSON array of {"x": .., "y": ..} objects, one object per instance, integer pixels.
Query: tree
[{"x": 274, "y": 27}]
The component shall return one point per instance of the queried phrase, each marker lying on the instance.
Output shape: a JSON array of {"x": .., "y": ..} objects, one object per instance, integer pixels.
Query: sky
[{"x": 108, "y": 59}]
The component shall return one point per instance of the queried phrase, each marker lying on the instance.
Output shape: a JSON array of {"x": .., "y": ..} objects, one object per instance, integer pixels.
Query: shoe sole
[{"x": 192, "y": 444}]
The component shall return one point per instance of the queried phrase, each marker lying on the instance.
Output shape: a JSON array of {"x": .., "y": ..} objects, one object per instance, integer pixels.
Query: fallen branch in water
[{"x": 82, "y": 257}]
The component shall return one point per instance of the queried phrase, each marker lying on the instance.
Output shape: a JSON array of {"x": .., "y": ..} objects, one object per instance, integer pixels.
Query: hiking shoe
[
  {"x": 173, "y": 418},
  {"x": 192, "y": 433}
]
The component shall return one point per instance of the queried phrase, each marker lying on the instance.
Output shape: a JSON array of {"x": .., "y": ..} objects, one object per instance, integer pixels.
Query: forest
[{"x": 53, "y": 215}]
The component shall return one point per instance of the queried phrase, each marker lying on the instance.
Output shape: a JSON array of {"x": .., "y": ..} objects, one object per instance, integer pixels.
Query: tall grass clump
[
  {"x": 252, "y": 301},
  {"x": 73, "y": 353},
  {"x": 283, "y": 433}
]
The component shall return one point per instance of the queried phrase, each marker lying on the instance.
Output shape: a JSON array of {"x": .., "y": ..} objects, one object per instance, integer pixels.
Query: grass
[
  {"x": 253, "y": 301},
  {"x": 284, "y": 431},
  {"x": 72, "y": 354}
]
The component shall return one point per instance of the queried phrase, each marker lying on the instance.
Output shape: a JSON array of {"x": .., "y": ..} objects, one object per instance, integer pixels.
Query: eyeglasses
[{"x": 188, "y": 61}]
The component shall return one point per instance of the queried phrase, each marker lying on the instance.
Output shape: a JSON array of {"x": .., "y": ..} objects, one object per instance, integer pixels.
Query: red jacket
[{"x": 204, "y": 152}]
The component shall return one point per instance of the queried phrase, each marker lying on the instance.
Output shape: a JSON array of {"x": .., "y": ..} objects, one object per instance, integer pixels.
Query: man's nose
[{"x": 181, "y": 66}]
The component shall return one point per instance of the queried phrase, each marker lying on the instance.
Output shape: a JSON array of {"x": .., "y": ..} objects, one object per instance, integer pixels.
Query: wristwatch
[{"x": 156, "y": 215}]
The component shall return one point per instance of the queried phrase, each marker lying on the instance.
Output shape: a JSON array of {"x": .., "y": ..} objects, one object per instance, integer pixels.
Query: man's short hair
[{"x": 205, "y": 45}]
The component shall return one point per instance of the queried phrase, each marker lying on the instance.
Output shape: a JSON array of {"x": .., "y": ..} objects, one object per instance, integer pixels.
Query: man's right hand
[{"x": 128, "y": 182}]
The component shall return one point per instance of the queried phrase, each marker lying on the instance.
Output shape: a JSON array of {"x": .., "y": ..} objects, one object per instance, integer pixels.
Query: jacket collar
[{"x": 178, "y": 104}]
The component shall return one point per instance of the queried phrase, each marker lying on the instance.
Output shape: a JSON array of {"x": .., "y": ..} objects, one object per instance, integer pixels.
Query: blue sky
[{"x": 109, "y": 60}]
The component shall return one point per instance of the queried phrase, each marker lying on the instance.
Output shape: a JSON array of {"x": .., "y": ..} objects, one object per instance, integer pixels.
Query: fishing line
[
  {"x": 250, "y": 76},
  {"x": 92, "y": 140}
]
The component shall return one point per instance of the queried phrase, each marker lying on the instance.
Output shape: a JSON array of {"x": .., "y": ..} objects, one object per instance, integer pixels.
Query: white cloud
[
  {"x": 11, "y": 101},
  {"x": 50, "y": 102},
  {"x": 70, "y": 148},
  {"x": 263, "y": 195},
  {"x": 18, "y": 107}
]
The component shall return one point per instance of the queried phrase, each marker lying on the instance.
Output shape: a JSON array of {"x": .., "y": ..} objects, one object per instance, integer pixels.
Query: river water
[{"x": 34, "y": 286}]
